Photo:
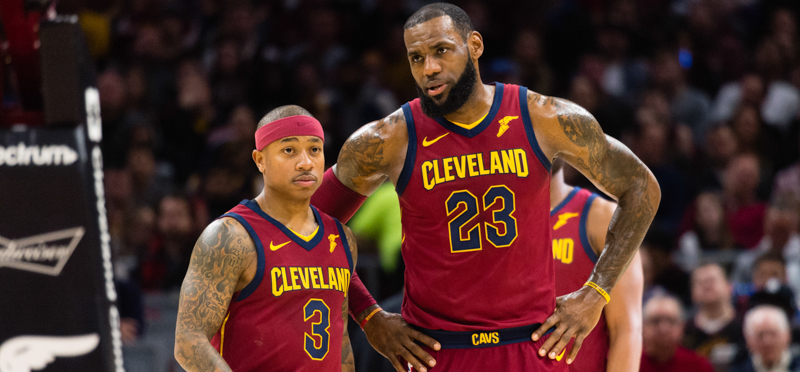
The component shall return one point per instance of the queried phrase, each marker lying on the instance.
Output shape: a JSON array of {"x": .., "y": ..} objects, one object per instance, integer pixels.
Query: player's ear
[
  {"x": 475, "y": 44},
  {"x": 258, "y": 158}
]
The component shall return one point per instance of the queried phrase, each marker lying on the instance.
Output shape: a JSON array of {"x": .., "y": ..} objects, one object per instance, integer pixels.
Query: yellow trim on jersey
[
  {"x": 470, "y": 126},
  {"x": 222, "y": 333},
  {"x": 306, "y": 238}
]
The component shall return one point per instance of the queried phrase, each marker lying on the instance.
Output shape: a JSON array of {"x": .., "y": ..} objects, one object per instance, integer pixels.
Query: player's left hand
[{"x": 576, "y": 315}]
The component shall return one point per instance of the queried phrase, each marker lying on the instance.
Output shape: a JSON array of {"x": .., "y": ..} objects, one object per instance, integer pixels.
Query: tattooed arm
[
  {"x": 223, "y": 262},
  {"x": 373, "y": 153},
  {"x": 348, "y": 361},
  {"x": 567, "y": 131}
]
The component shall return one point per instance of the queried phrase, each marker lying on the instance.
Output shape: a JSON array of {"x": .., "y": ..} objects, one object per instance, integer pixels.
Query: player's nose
[
  {"x": 305, "y": 162},
  {"x": 432, "y": 67}
]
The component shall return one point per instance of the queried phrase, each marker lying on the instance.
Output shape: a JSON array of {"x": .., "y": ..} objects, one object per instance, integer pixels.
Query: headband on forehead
[{"x": 297, "y": 125}]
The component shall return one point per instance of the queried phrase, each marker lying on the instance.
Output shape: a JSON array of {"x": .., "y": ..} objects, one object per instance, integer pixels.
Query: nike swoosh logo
[
  {"x": 276, "y": 247},
  {"x": 426, "y": 143}
]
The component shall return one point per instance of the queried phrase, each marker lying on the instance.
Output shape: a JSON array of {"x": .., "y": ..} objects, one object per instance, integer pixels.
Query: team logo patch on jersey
[
  {"x": 332, "y": 239},
  {"x": 426, "y": 143},
  {"x": 504, "y": 124},
  {"x": 562, "y": 219}
]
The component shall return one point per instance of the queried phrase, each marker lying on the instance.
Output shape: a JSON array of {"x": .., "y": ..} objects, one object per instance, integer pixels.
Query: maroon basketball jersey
[
  {"x": 289, "y": 318},
  {"x": 574, "y": 261},
  {"x": 475, "y": 219}
]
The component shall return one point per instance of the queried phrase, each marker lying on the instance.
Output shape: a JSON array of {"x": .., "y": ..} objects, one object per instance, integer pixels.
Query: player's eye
[
  {"x": 316, "y": 150},
  {"x": 442, "y": 50},
  {"x": 288, "y": 150},
  {"x": 416, "y": 59}
]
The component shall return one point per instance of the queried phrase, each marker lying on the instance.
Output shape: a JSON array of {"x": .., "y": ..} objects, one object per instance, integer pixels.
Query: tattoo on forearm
[
  {"x": 348, "y": 360},
  {"x": 363, "y": 153},
  {"x": 621, "y": 174},
  {"x": 217, "y": 261}
]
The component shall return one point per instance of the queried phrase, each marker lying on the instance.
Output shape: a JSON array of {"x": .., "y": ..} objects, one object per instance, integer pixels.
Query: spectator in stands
[
  {"x": 663, "y": 324},
  {"x": 743, "y": 210},
  {"x": 710, "y": 232},
  {"x": 769, "y": 270},
  {"x": 787, "y": 181},
  {"x": 688, "y": 105},
  {"x": 166, "y": 260},
  {"x": 661, "y": 274},
  {"x": 768, "y": 336},
  {"x": 781, "y": 227},
  {"x": 714, "y": 330}
]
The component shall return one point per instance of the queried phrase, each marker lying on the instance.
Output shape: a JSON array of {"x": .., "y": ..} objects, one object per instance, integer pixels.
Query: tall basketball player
[
  {"x": 267, "y": 285},
  {"x": 471, "y": 164},
  {"x": 579, "y": 221}
]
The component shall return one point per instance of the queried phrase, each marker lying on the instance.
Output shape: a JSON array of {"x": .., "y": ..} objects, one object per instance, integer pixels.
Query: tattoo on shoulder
[{"x": 363, "y": 153}]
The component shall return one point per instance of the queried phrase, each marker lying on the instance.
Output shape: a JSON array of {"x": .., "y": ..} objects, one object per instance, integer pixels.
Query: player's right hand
[{"x": 391, "y": 336}]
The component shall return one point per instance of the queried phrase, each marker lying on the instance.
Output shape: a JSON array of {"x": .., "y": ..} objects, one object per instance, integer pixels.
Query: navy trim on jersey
[
  {"x": 345, "y": 244},
  {"x": 526, "y": 118},
  {"x": 411, "y": 153},
  {"x": 307, "y": 245},
  {"x": 584, "y": 237},
  {"x": 253, "y": 285},
  {"x": 469, "y": 133},
  {"x": 565, "y": 201}
]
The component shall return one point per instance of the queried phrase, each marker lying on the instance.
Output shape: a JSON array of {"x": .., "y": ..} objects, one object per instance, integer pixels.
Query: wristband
[
  {"x": 368, "y": 317},
  {"x": 599, "y": 290}
]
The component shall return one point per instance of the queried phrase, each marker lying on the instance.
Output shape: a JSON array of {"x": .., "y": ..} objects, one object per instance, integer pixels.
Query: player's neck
[
  {"x": 292, "y": 213},
  {"x": 558, "y": 189},
  {"x": 476, "y": 107}
]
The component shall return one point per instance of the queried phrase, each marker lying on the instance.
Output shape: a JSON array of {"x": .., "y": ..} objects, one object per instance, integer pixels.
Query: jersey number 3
[
  {"x": 463, "y": 240},
  {"x": 318, "y": 342}
]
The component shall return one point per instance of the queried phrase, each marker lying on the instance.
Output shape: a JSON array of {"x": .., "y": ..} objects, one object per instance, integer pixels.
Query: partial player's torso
[
  {"x": 476, "y": 230},
  {"x": 290, "y": 316},
  {"x": 574, "y": 261}
]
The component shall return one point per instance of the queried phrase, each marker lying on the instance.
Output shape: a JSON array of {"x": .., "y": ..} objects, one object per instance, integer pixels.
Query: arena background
[{"x": 705, "y": 92}]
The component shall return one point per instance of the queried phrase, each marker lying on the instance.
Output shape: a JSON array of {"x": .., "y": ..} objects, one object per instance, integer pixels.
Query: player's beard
[{"x": 458, "y": 96}]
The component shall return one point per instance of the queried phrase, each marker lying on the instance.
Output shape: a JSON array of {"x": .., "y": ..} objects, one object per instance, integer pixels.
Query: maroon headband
[{"x": 297, "y": 125}]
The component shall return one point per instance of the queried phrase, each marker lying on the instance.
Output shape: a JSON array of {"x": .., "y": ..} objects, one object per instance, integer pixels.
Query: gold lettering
[
  {"x": 426, "y": 180},
  {"x": 314, "y": 278},
  {"x": 521, "y": 160},
  {"x": 482, "y": 171},
  {"x": 475, "y": 339},
  {"x": 332, "y": 282},
  {"x": 341, "y": 277},
  {"x": 277, "y": 291},
  {"x": 303, "y": 276},
  {"x": 436, "y": 177},
  {"x": 508, "y": 162},
  {"x": 471, "y": 165},
  {"x": 557, "y": 249},
  {"x": 461, "y": 170},
  {"x": 495, "y": 338},
  {"x": 446, "y": 164},
  {"x": 293, "y": 274},
  {"x": 497, "y": 166},
  {"x": 322, "y": 279},
  {"x": 566, "y": 250},
  {"x": 286, "y": 286}
]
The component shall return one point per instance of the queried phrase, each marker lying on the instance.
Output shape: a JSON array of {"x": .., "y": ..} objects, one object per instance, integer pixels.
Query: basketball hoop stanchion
[{"x": 58, "y": 303}]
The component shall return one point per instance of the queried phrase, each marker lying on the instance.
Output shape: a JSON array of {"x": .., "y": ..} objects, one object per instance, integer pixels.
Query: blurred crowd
[{"x": 705, "y": 92}]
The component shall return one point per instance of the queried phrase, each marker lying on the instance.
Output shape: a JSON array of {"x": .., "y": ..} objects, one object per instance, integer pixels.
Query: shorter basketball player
[
  {"x": 267, "y": 285},
  {"x": 579, "y": 220}
]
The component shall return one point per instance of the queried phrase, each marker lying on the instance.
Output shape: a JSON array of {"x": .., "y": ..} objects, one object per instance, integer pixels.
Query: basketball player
[
  {"x": 266, "y": 288},
  {"x": 471, "y": 165},
  {"x": 579, "y": 221}
]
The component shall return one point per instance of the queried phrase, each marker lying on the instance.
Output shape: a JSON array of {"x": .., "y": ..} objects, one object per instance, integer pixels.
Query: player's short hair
[
  {"x": 282, "y": 112},
  {"x": 459, "y": 17}
]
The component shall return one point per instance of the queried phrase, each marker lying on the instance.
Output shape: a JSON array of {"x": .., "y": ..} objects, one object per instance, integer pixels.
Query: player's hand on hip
[
  {"x": 576, "y": 315},
  {"x": 391, "y": 336}
]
